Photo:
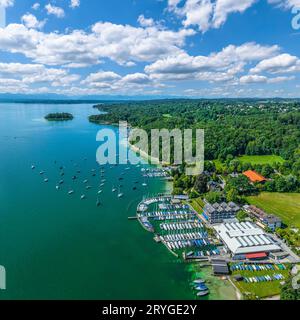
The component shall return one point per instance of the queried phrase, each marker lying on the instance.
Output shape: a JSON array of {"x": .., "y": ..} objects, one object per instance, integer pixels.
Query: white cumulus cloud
[
  {"x": 6, "y": 3},
  {"x": 123, "y": 44},
  {"x": 74, "y": 4},
  {"x": 207, "y": 14},
  {"x": 30, "y": 21},
  {"x": 56, "y": 11}
]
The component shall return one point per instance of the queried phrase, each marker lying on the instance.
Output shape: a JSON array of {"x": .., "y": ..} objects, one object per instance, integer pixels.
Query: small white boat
[
  {"x": 71, "y": 192},
  {"x": 32, "y": 167},
  {"x": 120, "y": 194},
  {"x": 46, "y": 180},
  {"x": 100, "y": 191},
  {"x": 85, "y": 181},
  {"x": 83, "y": 197},
  {"x": 199, "y": 281},
  {"x": 42, "y": 172},
  {"x": 113, "y": 190},
  {"x": 144, "y": 184},
  {"x": 202, "y": 293},
  {"x": 57, "y": 187}
]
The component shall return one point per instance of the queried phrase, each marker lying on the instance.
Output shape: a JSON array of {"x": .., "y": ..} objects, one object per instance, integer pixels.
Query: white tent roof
[{"x": 242, "y": 238}]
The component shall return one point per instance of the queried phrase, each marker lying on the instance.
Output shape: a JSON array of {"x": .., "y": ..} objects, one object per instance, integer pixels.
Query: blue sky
[{"x": 194, "y": 48}]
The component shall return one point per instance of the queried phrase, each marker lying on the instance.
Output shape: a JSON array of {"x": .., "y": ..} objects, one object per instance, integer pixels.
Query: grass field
[
  {"x": 261, "y": 159},
  {"x": 284, "y": 205},
  {"x": 260, "y": 289},
  {"x": 253, "y": 160},
  {"x": 197, "y": 204}
]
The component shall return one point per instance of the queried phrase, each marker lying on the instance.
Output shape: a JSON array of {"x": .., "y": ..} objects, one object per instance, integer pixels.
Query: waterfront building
[
  {"x": 220, "y": 267},
  {"x": 218, "y": 212},
  {"x": 245, "y": 240}
]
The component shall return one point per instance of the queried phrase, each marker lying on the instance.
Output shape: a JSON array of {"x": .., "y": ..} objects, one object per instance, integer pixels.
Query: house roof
[{"x": 253, "y": 176}]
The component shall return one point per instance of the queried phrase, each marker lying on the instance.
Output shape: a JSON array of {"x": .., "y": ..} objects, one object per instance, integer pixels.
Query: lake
[{"x": 56, "y": 246}]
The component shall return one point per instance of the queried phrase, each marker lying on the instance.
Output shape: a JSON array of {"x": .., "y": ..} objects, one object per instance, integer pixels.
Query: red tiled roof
[
  {"x": 254, "y": 176},
  {"x": 256, "y": 255}
]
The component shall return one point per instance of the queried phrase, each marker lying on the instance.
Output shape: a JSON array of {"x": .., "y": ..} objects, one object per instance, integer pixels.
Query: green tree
[{"x": 201, "y": 184}]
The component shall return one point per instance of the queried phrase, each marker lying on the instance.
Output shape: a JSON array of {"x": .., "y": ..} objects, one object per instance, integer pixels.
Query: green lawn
[
  {"x": 260, "y": 289},
  {"x": 253, "y": 160},
  {"x": 284, "y": 205},
  {"x": 197, "y": 204},
  {"x": 261, "y": 159}
]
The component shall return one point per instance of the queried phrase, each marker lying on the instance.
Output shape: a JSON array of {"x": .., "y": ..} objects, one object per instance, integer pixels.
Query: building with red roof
[{"x": 254, "y": 177}]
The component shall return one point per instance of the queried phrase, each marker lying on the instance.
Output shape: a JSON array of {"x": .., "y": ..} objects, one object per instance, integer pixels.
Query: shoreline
[{"x": 144, "y": 155}]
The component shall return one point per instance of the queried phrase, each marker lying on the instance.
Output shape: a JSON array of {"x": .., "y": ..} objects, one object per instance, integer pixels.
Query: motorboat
[
  {"x": 202, "y": 293},
  {"x": 199, "y": 281}
]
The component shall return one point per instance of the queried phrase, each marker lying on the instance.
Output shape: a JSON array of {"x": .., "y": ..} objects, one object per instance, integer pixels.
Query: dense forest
[{"x": 232, "y": 128}]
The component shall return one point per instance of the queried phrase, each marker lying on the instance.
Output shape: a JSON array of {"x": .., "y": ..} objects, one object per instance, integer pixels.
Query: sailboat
[
  {"x": 120, "y": 194},
  {"x": 144, "y": 184},
  {"x": 98, "y": 203}
]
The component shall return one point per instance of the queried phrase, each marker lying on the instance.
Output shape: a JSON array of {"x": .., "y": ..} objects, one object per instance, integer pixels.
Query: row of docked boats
[
  {"x": 182, "y": 244},
  {"x": 171, "y": 207},
  {"x": 202, "y": 254},
  {"x": 186, "y": 236},
  {"x": 169, "y": 213},
  {"x": 188, "y": 225}
]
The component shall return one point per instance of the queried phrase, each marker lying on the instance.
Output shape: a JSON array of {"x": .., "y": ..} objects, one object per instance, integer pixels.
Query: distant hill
[{"x": 55, "y": 98}]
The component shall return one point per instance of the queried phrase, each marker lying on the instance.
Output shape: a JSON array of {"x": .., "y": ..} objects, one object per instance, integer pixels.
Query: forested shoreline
[{"x": 231, "y": 128}]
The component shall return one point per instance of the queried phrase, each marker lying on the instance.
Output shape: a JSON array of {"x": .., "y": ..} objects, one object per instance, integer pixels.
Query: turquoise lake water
[{"x": 56, "y": 246}]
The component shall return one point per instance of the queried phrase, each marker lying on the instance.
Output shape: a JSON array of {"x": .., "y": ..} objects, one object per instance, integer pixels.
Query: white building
[{"x": 246, "y": 239}]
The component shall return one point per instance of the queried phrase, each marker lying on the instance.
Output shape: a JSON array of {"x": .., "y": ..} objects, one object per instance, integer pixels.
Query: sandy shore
[{"x": 146, "y": 156}]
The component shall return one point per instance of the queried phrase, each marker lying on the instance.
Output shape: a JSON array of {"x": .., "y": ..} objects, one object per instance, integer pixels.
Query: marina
[{"x": 177, "y": 226}]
